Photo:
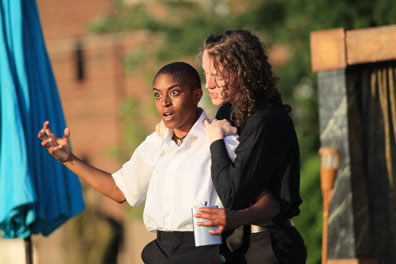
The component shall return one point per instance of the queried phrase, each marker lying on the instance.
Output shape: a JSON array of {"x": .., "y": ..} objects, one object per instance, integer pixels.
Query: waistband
[{"x": 268, "y": 225}]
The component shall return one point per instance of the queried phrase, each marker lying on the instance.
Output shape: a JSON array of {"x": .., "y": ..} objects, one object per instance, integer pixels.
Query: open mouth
[{"x": 167, "y": 116}]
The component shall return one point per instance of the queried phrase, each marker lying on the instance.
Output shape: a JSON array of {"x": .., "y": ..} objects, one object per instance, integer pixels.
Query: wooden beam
[
  {"x": 336, "y": 49},
  {"x": 352, "y": 261},
  {"x": 328, "y": 50},
  {"x": 371, "y": 45}
]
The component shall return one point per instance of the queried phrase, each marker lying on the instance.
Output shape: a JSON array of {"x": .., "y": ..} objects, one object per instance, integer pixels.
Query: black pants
[
  {"x": 275, "y": 245},
  {"x": 179, "y": 248},
  {"x": 288, "y": 246},
  {"x": 260, "y": 249}
]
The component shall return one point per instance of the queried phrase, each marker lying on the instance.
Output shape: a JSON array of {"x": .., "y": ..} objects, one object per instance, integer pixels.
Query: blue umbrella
[{"x": 37, "y": 193}]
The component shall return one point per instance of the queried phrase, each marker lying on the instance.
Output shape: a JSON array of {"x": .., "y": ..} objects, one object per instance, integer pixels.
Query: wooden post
[
  {"x": 328, "y": 169},
  {"x": 28, "y": 250}
]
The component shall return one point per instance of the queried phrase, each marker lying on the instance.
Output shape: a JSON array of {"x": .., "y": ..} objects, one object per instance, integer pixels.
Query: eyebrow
[
  {"x": 169, "y": 88},
  {"x": 213, "y": 74}
]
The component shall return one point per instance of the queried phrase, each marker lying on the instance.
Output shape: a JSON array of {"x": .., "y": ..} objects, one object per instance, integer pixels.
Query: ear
[{"x": 197, "y": 95}]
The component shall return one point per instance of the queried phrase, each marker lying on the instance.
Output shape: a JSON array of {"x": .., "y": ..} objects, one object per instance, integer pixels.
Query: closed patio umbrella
[{"x": 37, "y": 193}]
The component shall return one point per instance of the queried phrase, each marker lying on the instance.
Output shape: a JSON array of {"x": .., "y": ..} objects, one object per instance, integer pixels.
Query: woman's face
[
  {"x": 176, "y": 102},
  {"x": 215, "y": 83}
]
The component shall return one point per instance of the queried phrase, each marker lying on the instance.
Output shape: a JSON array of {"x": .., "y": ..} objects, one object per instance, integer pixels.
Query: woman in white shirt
[{"x": 170, "y": 175}]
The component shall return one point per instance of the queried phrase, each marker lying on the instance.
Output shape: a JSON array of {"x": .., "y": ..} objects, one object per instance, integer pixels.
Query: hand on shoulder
[{"x": 219, "y": 129}]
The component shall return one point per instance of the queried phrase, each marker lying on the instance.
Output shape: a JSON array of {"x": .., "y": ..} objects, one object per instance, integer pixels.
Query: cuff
[{"x": 219, "y": 153}]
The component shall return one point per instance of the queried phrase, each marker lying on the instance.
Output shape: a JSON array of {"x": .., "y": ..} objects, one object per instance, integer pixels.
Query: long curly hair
[{"x": 240, "y": 59}]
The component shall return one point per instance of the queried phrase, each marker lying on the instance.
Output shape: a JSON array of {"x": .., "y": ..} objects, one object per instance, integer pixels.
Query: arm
[
  {"x": 264, "y": 145},
  {"x": 60, "y": 148},
  {"x": 266, "y": 207}
]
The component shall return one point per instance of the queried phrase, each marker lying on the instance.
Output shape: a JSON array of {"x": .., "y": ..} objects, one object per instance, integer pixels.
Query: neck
[
  {"x": 178, "y": 140},
  {"x": 180, "y": 133}
]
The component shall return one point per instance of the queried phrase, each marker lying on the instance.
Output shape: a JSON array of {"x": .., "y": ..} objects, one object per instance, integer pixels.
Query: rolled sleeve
[{"x": 134, "y": 177}]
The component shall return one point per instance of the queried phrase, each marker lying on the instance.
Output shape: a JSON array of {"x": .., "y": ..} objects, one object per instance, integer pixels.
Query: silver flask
[{"x": 202, "y": 236}]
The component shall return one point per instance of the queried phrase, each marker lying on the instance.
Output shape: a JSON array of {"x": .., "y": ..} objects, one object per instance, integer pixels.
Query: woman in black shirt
[{"x": 237, "y": 71}]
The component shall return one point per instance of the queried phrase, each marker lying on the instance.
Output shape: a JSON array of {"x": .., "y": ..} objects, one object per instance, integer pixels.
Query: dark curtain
[{"x": 372, "y": 111}]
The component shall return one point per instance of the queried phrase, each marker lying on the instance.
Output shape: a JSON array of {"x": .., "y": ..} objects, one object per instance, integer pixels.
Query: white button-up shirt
[{"x": 171, "y": 179}]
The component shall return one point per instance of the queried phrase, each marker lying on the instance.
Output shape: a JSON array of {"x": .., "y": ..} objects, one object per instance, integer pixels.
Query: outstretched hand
[
  {"x": 57, "y": 147},
  {"x": 223, "y": 219}
]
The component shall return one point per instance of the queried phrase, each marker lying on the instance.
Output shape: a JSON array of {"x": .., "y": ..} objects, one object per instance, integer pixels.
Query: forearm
[
  {"x": 264, "y": 209},
  {"x": 100, "y": 180}
]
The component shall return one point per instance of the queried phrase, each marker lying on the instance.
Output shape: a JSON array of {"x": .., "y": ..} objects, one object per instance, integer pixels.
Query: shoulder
[
  {"x": 224, "y": 112},
  {"x": 269, "y": 113},
  {"x": 272, "y": 116},
  {"x": 150, "y": 145},
  {"x": 153, "y": 138}
]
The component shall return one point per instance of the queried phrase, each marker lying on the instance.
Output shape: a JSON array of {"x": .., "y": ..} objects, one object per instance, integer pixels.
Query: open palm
[{"x": 57, "y": 147}]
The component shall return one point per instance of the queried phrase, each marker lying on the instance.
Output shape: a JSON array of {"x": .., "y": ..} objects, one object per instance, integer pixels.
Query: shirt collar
[{"x": 198, "y": 129}]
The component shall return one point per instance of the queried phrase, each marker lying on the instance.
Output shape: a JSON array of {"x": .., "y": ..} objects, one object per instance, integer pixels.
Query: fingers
[
  {"x": 53, "y": 150},
  {"x": 217, "y": 214},
  {"x": 66, "y": 133},
  {"x": 211, "y": 210},
  {"x": 205, "y": 216},
  {"x": 46, "y": 142},
  {"x": 214, "y": 223},
  {"x": 46, "y": 129},
  {"x": 157, "y": 129},
  {"x": 41, "y": 135},
  {"x": 227, "y": 128},
  {"x": 45, "y": 125},
  {"x": 207, "y": 223},
  {"x": 215, "y": 217},
  {"x": 160, "y": 128},
  {"x": 216, "y": 232}
]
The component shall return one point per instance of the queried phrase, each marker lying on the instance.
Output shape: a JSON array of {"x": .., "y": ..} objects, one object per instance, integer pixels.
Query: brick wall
[
  {"x": 91, "y": 105},
  {"x": 65, "y": 19}
]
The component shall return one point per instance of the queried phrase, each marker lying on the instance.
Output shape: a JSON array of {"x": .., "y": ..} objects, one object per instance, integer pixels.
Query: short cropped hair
[{"x": 181, "y": 72}]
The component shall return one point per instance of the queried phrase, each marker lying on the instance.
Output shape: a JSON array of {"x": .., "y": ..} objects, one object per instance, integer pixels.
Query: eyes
[
  {"x": 172, "y": 93},
  {"x": 216, "y": 77}
]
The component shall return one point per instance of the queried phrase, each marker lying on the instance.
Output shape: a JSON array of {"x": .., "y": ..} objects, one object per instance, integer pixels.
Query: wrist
[
  {"x": 236, "y": 218},
  {"x": 69, "y": 159}
]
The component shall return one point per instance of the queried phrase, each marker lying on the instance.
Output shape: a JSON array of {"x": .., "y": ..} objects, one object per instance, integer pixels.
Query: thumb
[{"x": 206, "y": 123}]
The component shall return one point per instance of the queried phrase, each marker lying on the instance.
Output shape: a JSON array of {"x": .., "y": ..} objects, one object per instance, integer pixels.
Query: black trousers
[
  {"x": 275, "y": 245},
  {"x": 179, "y": 248}
]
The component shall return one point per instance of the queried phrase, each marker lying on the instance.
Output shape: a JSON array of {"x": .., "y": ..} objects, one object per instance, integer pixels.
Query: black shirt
[{"x": 267, "y": 157}]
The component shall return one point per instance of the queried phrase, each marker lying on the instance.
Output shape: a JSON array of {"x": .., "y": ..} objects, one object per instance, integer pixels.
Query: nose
[
  {"x": 210, "y": 82},
  {"x": 166, "y": 101}
]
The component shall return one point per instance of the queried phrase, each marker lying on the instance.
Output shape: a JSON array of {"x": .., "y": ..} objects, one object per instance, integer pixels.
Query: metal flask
[{"x": 202, "y": 236}]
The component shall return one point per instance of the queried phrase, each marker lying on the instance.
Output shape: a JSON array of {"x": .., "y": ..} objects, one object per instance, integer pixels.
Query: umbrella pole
[{"x": 28, "y": 250}]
